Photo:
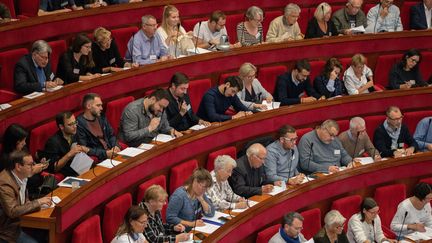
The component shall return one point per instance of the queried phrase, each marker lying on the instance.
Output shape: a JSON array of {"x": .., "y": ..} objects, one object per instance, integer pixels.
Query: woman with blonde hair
[
  {"x": 321, "y": 25},
  {"x": 358, "y": 78}
]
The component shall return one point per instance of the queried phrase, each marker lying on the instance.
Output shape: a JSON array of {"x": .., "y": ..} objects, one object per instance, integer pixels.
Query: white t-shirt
[
  {"x": 206, "y": 35},
  {"x": 163, "y": 34},
  {"x": 126, "y": 238},
  {"x": 414, "y": 216}
]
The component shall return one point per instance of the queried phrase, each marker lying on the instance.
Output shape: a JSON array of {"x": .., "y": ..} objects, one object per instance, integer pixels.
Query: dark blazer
[
  {"x": 313, "y": 30},
  {"x": 69, "y": 69},
  {"x": 178, "y": 122},
  {"x": 398, "y": 76},
  {"x": 25, "y": 77},
  {"x": 321, "y": 237},
  {"x": 288, "y": 93},
  {"x": 320, "y": 83},
  {"x": 418, "y": 17},
  {"x": 382, "y": 140},
  {"x": 108, "y": 58}
]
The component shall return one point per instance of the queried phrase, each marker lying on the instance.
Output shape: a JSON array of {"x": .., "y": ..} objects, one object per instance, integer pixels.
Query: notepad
[
  {"x": 4, "y": 106},
  {"x": 249, "y": 202},
  {"x": 163, "y": 138},
  {"x": 131, "y": 152},
  {"x": 54, "y": 89},
  {"x": 197, "y": 127},
  {"x": 108, "y": 163},
  {"x": 67, "y": 182},
  {"x": 146, "y": 146},
  {"x": 33, "y": 95}
]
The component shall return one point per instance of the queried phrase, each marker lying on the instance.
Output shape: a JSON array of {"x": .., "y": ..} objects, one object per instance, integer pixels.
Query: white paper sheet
[
  {"x": 250, "y": 203},
  {"x": 33, "y": 95},
  {"x": 207, "y": 228},
  {"x": 216, "y": 217},
  {"x": 365, "y": 160},
  {"x": 417, "y": 236},
  {"x": 4, "y": 106},
  {"x": 146, "y": 146},
  {"x": 163, "y": 138},
  {"x": 198, "y": 51},
  {"x": 108, "y": 163},
  {"x": 278, "y": 189},
  {"x": 54, "y": 89},
  {"x": 131, "y": 152},
  {"x": 197, "y": 127},
  {"x": 271, "y": 105},
  {"x": 81, "y": 163},
  {"x": 307, "y": 179},
  {"x": 358, "y": 29}
]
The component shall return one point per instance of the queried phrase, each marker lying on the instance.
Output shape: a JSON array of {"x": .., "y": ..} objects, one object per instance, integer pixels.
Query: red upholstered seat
[
  {"x": 343, "y": 125},
  {"x": 58, "y": 47},
  {"x": 316, "y": 69},
  {"x": 382, "y": 68},
  {"x": 425, "y": 65},
  {"x": 388, "y": 199},
  {"x": 180, "y": 173},
  {"x": 268, "y": 18},
  {"x": 114, "y": 213},
  {"x": 11, "y": 6},
  {"x": 8, "y": 59},
  {"x": 28, "y": 8},
  {"x": 158, "y": 180},
  {"x": 302, "y": 131},
  {"x": 7, "y": 96},
  {"x": 411, "y": 119},
  {"x": 223, "y": 76},
  {"x": 39, "y": 136},
  {"x": 267, "y": 76},
  {"x": 231, "y": 151},
  {"x": 311, "y": 222},
  {"x": 347, "y": 206},
  {"x": 197, "y": 89},
  {"x": 231, "y": 26},
  {"x": 303, "y": 19},
  {"x": 372, "y": 122},
  {"x": 88, "y": 231},
  {"x": 346, "y": 63},
  {"x": 367, "y": 7},
  {"x": 122, "y": 36},
  {"x": 405, "y": 14},
  {"x": 189, "y": 24},
  {"x": 427, "y": 180},
  {"x": 114, "y": 111},
  {"x": 265, "y": 235}
]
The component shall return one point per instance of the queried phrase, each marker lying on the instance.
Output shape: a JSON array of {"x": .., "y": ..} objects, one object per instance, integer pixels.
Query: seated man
[
  {"x": 61, "y": 148},
  {"x": 33, "y": 71},
  {"x": 283, "y": 157},
  {"x": 179, "y": 111},
  {"x": 286, "y": 27},
  {"x": 420, "y": 15},
  {"x": 145, "y": 47},
  {"x": 14, "y": 201},
  {"x": 321, "y": 150},
  {"x": 94, "y": 131},
  {"x": 47, "y": 7},
  {"x": 209, "y": 32},
  {"x": 144, "y": 119},
  {"x": 292, "y": 87},
  {"x": 90, "y": 3},
  {"x": 391, "y": 137},
  {"x": 384, "y": 17},
  {"x": 423, "y": 134},
  {"x": 292, "y": 224},
  {"x": 248, "y": 178},
  {"x": 217, "y": 100},
  {"x": 349, "y": 17},
  {"x": 356, "y": 141},
  {"x": 5, "y": 15}
]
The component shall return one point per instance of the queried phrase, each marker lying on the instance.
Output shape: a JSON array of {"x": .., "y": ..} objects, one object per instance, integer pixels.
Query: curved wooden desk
[
  {"x": 30, "y": 113},
  {"x": 128, "y": 175}
]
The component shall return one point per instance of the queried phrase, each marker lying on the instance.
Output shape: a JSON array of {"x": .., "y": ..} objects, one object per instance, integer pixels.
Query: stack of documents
[{"x": 67, "y": 182}]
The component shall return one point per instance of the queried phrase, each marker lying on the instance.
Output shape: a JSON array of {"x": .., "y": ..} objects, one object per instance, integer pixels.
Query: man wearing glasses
[
  {"x": 209, "y": 32},
  {"x": 321, "y": 150},
  {"x": 14, "y": 201},
  {"x": 33, "y": 71},
  {"x": 345, "y": 19},
  {"x": 283, "y": 157},
  {"x": 392, "y": 138},
  {"x": 290, "y": 230}
]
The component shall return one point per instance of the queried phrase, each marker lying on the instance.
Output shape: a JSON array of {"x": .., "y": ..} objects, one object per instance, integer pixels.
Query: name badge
[
  {"x": 153, "y": 57},
  {"x": 112, "y": 61},
  {"x": 52, "y": 76},
  {"x": 337, "y": 152},
  {"x": 189, "y": 107},
  {"x": 63, "y": 4},
  {"x": 401, "y": 145},
  {"x": 76, "y": 71}
]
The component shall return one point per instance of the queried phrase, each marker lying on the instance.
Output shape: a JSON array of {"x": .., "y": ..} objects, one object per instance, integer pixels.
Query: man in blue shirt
[
  {"x": 145, "y": 47},
  {"x": 423, "y": 134},
  {"x": 217, "y": 100}
]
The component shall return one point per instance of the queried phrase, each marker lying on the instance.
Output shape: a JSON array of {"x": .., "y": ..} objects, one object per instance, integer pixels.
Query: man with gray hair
[
  {"x": 290, "y": 230},
  {"x": 349, "y": 17},
  {"x": 33, "y": 71},
  {"x": 321, "y": 150},
  {"x": 221, "y": 193},
  {"x": 356, "y": 141},
  {"x": 248, "y": 178},
  {"x": 285, "y": 27},
  {"x": 145, "y": 47}
]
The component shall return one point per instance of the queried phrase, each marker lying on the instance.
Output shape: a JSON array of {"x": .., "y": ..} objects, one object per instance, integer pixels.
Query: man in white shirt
[{"x": 209, "y": 32}]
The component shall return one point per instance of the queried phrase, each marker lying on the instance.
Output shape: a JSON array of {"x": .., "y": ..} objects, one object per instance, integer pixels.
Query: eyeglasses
[
  {"x": 373, "y": 212},
  {"x": 396, "y": 119},
  {"x": 151, "y": 25},
  {"x": 413, "y": 60},
  {"x": 259, "y": 157},
  {"x": 31, "y": 165},
  {"x": 87, "y": 46},
  {"x": 292, "y": 140},
  {"x": 44, "y": 57},
  {"x": 329, "y": 133},
  {"x": 74, "y": 123},
  {"x": 142, "y": 222}
]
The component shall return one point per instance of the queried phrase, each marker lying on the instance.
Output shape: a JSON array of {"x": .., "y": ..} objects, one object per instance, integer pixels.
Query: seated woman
[
  {"x": 135, "y": 222},
  {"x": 406, "y": 73},
  {"x": 328, "y": 83},
  {"x": 414, "y": 213},
  {"x": 171, "y": 32},
  {"x": 250, "y": 32},
  {"x": 358, "y": 78},
  {"x": 188, "y": 202},
  {"x": 332, "y": 231},
  {"x": 154, "y": 199},
  {"x": 77, "y": 63},
  {"x": 365, "y": 226},
  {"x": 253, "y": 93},
  {"x": 105, "y": 53},
  {"x": 321, "y": 25},
  {"x": 221, "y": 193}
]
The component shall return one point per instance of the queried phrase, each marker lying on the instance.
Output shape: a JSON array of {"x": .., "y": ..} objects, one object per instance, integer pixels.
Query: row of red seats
[{"x": 27, "y": 8}]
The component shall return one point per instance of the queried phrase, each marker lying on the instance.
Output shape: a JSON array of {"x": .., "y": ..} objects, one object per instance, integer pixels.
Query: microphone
[
  {"x": 198, "y": 34},
  {"x": 373, "y": 231},
  {"x": 310, "y": 156},
  {"x": 403, "y": 222},
  {"x": 176, "y": 40},
  {"x": 376, "y": 19},
  {"x": 427, "y": 132},
  {"x": 355, "y": 146},
  {"x": 231, "y": 201},
  {"x": 261, "y": 34}
]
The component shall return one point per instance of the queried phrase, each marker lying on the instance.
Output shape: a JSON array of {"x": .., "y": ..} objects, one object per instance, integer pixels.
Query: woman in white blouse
[
  {"x": 365, "y": 226},
  {"x": 358, "y": 78},
  {"x": 221, "y": 193},
  {"x": 131, "y": 231}
]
